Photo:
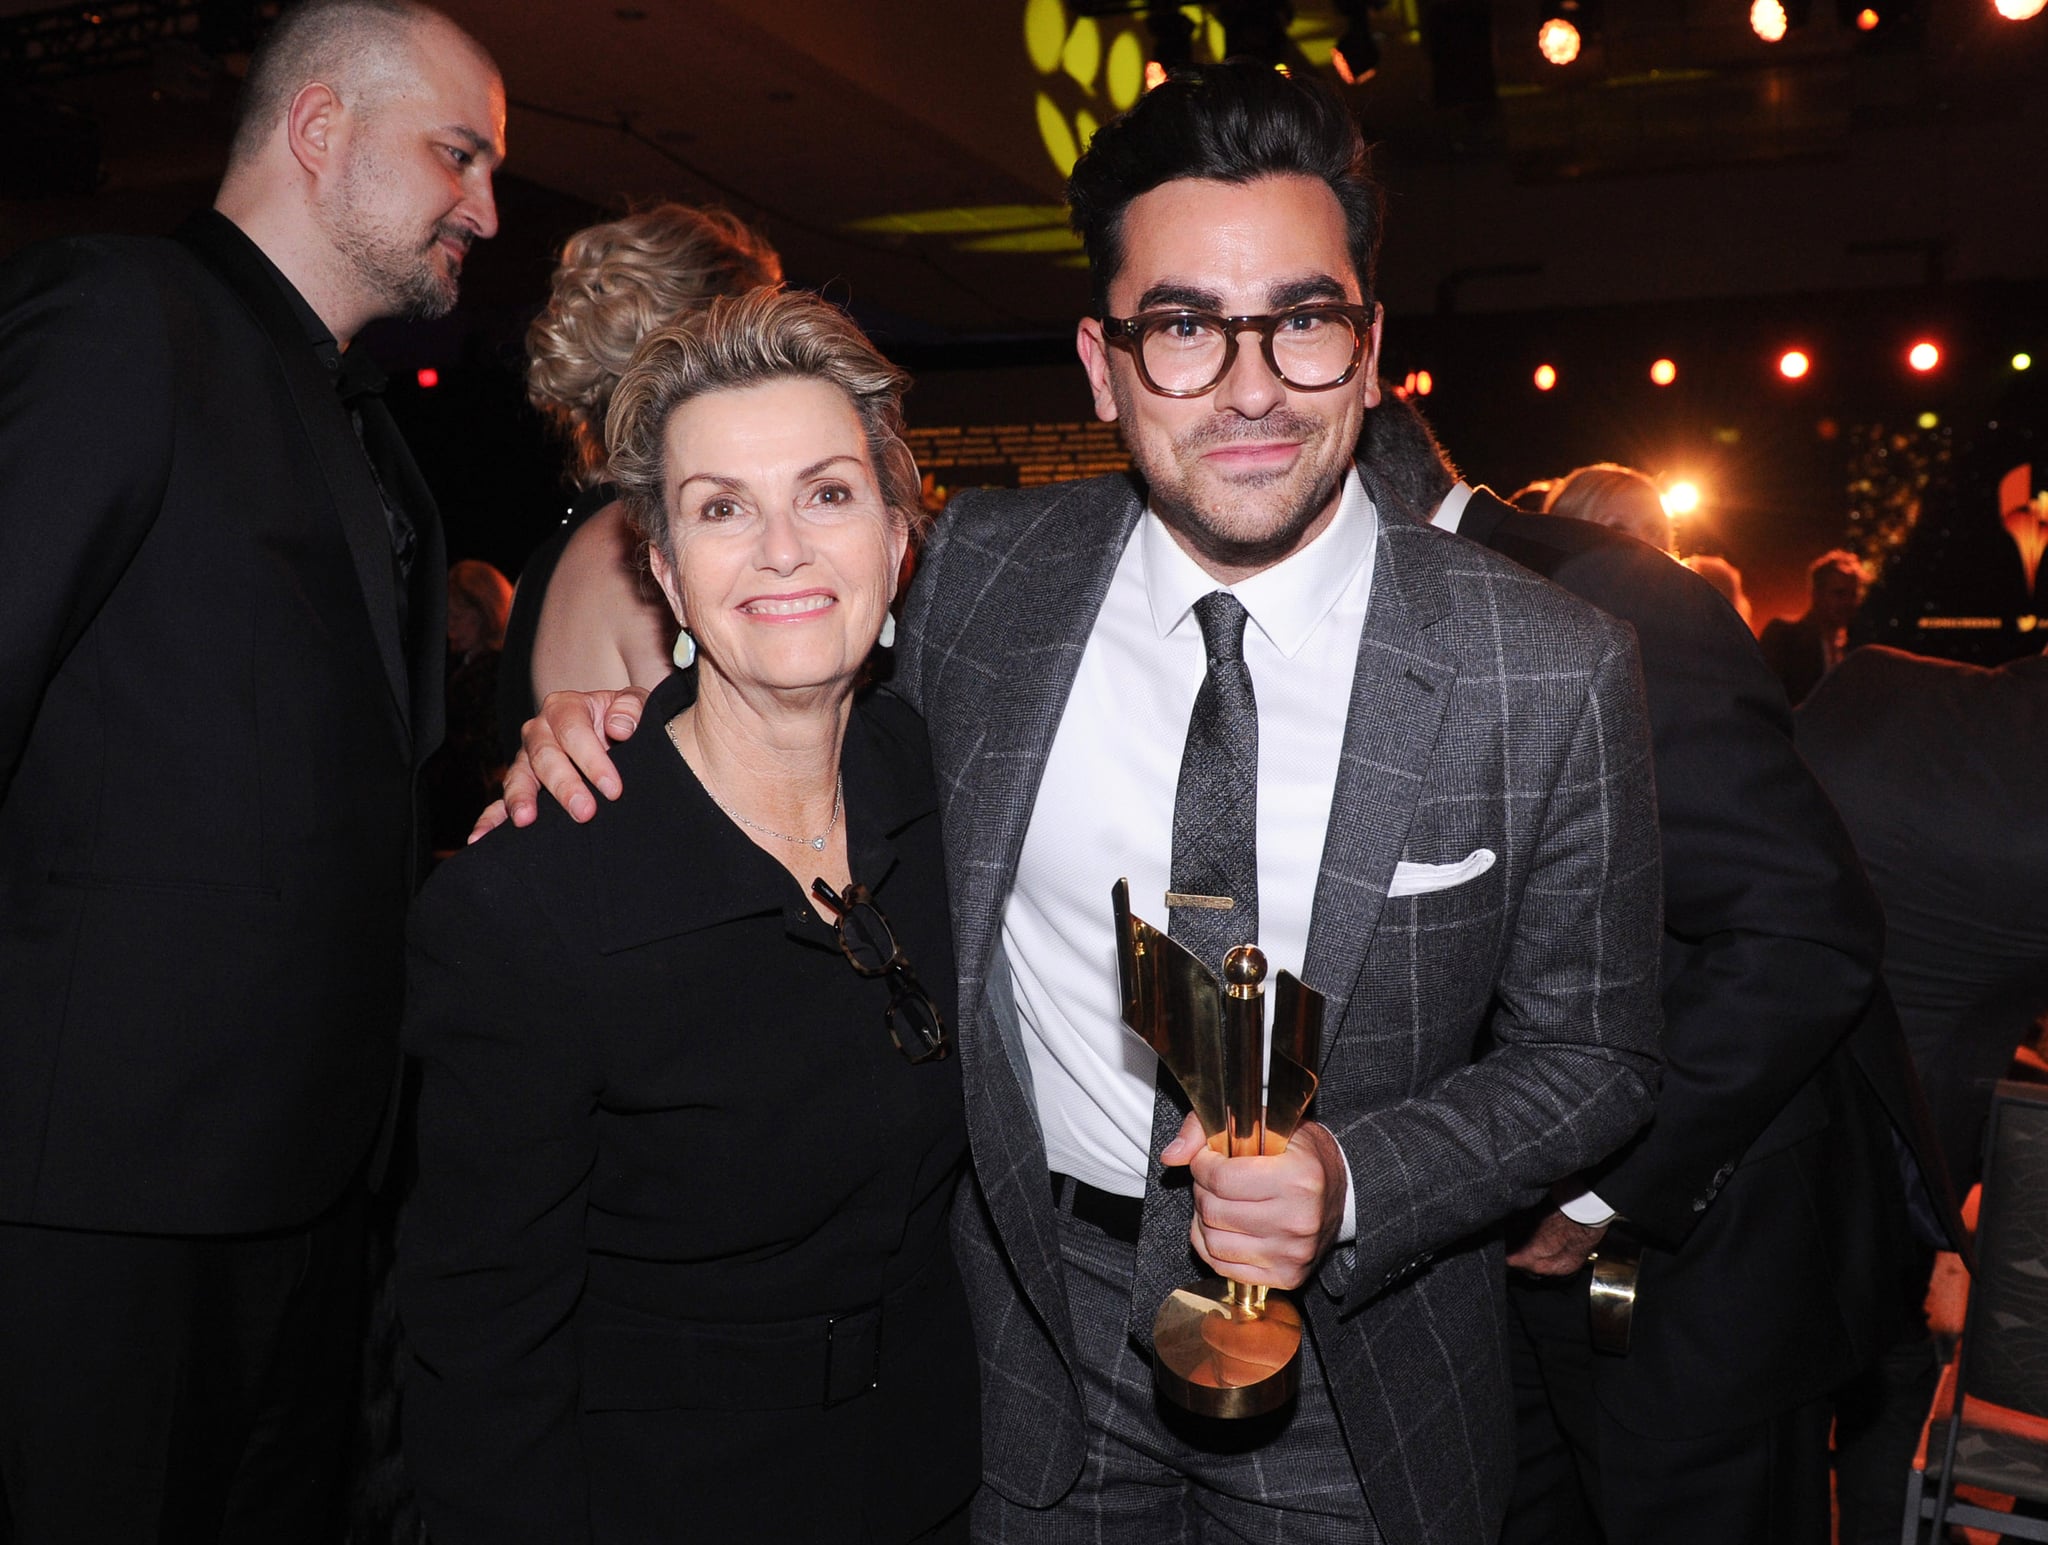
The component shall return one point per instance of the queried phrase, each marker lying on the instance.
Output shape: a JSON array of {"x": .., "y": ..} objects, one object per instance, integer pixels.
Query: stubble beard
[
  {"x": 399, "y": 270},
  {"x": 1268, "y": 514}
]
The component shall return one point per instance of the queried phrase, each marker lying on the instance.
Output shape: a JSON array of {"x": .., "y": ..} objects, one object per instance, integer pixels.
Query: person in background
[
  {"x": 1764, "y": 1198},
  {"x": 1936, "y": 768},
  {"x": 1726, "y": 578},
  {"x": 1806, "y": 648},
  {"x": 221, "y": 599},
  {"x": 677, "y": 1267},
  {"x": 465, "y": 774},
  {"x": 1530, "y": 496},
  {"x": 587, "y": 613},
  {"x": 1607, "y": 494}
]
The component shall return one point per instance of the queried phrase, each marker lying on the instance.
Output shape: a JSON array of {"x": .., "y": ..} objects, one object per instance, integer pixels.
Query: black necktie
[
  {"x": 361, "y": 385},
  {"x": 1215, "y": 856}
]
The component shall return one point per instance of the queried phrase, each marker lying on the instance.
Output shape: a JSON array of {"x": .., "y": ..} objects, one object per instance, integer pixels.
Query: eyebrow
[
  {"x": 738, "y": 485},
  {"x": 1290, "y": 292}
]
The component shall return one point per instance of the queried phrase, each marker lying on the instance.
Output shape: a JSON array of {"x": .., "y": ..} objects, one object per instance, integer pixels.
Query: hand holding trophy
[{"x": 1223, "y": 1348}]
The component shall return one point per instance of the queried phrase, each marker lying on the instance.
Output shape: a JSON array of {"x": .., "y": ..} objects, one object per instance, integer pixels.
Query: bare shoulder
[{"x": 602, "y": 622}]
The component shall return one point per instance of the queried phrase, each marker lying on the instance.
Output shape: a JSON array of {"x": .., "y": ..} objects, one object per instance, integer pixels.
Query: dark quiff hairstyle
[{"x": 1235, "y": 123}]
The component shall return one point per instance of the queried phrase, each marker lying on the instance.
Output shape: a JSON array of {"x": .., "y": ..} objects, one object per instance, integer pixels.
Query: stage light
[
  {"x": 1664, "y": 372},
  {"x": 1546, "y": 378},
  {"x": 1923, "y": 356},
  {"x": 1767, "y": 20},
  {"x": 1792, "y": 364},
  {"x": 428, "y": 378},
  {"x": 1867, "y": 20},
  {"x": 1425, "y": 383},
  {"x": 1558, "y": 40},
  {"x": 2023, "y": 361},
  {"x": 2018, "y": 10},
  {"x": 1929, "y": 421},
  {"x": 1173, "y": 42},
  {"x": 1681, "y": 498}
]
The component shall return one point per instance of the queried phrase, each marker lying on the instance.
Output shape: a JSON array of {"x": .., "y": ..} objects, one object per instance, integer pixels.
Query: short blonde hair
[
  {"x": 616, "y": 283},
  {"x": 1609, "y": 494},
  {"x": 749, "y": 340}
]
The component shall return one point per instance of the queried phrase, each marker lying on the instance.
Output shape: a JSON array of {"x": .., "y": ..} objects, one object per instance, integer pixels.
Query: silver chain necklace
[{"x": 816, "y": 843}]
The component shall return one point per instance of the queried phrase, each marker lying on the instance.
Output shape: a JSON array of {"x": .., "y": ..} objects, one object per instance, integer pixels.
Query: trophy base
[{"x": 1215, "y": 1356}]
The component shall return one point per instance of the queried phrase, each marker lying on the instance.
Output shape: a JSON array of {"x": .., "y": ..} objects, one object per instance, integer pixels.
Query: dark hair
[
  {"x": 1235, "y": 123},
  {"x": 1403, "y": 455}
]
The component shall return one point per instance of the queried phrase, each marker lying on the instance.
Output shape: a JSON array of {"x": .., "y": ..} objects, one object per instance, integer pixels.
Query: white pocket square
[{"x": 1421, "y": 879}]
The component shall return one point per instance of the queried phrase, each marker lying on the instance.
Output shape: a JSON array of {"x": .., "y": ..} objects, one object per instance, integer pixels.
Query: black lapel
[{"x": 350, "y": 486}]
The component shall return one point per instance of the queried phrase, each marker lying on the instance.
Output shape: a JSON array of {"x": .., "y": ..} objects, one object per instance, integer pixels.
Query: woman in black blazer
[{"x": 677, "y": 1266}]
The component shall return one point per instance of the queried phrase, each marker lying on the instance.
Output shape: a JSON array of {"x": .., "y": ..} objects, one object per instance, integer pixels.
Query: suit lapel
[
  {"x": 1400, "y": 695},
  {"x": 346, "y": 479}
]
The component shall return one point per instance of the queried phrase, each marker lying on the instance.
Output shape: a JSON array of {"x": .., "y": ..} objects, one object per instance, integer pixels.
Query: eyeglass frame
[
  {"x": 903, "y": 982},
  {"x": 1128, "y": 333}
]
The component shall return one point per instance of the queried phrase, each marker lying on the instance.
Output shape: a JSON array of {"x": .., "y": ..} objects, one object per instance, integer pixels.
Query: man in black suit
[
  {"x": 221, "y": 597},
  {"x": 1765, "y": 1196},
  {"x": 1805, "y": 649}
]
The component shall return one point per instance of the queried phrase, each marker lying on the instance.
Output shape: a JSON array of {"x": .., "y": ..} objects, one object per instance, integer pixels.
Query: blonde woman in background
[
  {"x": 1608, "y": 494},
  {"x": 587, "y": 615}
]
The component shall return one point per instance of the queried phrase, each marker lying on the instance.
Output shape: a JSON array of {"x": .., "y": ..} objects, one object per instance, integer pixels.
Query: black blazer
[
  {"x": 664, "y": 1136},
  {"x": 1765, "y": 1187},
  {"x": 208, "y": 741},
  {"x": 1938, "y": 771}
]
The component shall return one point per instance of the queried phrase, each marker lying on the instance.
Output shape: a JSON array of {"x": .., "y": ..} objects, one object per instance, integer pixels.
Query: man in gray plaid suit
[{"x": 1441, "y": 817}]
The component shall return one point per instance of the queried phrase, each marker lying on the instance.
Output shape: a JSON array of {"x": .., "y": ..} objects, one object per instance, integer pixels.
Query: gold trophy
[{"x": 1223, "y": 1348}]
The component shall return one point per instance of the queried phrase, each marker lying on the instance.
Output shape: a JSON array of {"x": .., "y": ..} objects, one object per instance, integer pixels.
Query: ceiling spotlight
[
  {"x": 1929, "y": 420},
  {"x": 1681, "y": 498},
  {"x": 2023, "y": 361},
  {"x": 1767, "y": 20},
  {"x": 1867, "y": 20},
  {"x": 1923, "y": 356},
  {"x": 1558, "y": 40},
  {"x": 1546, "y": 377},
  {"x": 1792, "y": 364},
  {"x": 2018, "y": 10},
  {"x": 1664, "y": 372}
]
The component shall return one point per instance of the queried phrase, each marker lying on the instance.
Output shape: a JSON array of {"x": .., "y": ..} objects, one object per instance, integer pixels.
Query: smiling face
[
  {"x": 414, "y": 190},
  {"x": 782, "y": 558},
  {"x": 1254, "y": 470}
]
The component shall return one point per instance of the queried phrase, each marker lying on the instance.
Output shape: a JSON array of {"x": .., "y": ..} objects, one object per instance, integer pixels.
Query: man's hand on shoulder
[
  {"x": 567, "y": 742},
  {"x": 1270, "y": 1219}
]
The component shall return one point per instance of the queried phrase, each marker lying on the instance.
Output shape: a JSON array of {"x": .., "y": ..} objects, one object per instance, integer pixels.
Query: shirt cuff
[
  {"x": 1587, "y": 1210},
  {"x": 1347, "y": 1231}
]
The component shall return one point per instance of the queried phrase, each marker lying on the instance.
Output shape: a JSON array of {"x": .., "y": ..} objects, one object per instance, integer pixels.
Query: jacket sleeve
[
  {"x": 1772, "y": 933},
  {"x": 1572, "y": 1061},
  {"x": 491, "y": 1257},
  {"x": 86, "y": 405}
]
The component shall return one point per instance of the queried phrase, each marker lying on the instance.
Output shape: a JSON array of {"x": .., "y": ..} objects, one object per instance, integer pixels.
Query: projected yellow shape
[
  {"x": 1024, "y": 241},
  {"x": 1084, "y": 127},
  {"x": 1082, "y": 57},
  {"x": 962, "y": 220},
  {"x": 1126, "y": 75},
  {"x": 1059, "y": 139},
  {"x": 1045, "y": 33}
]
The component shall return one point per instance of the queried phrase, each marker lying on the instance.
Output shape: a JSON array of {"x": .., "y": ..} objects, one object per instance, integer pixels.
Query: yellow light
[
  {"x": 2018, "y": 10},
  {"x": 1558, "y": 41},
  {"x": 1126, "y": 73},
  {"x": 1045, "y": 34},
  {"x": 1681, "y": 498},
  {"x": 1768, "y": 21},
  {"x": 1929, "y": 421},
  {"x": 1792, "y": 364},
  {"x": 1424, "y": 384},
  {"x": 1923, "y": 356},
  {"x": 1664, "y": 372},
  {"x": 1867, "y": 20},
  {"x": 1546, "y": 378},
  {"x": 2023, "y": 361}
]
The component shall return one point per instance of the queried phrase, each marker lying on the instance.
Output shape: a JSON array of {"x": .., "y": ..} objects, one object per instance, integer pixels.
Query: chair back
[{"x": 2005, "y": 1342}]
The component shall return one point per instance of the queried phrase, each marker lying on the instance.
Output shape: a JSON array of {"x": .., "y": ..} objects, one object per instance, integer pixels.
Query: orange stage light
[
  {"x": 1558, "y": 41},
  {"x": 1792, "y": 364},
  {"x": 1923, "y": 356},
  {"x": 1546, "y": 378},
  {"x": 1664, "y": 372}
]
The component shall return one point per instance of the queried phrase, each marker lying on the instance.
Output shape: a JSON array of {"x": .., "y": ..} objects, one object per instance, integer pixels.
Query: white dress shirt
[
  {"x": 1105, "y": 812},
  {"x": 1582, "y": 1207}
]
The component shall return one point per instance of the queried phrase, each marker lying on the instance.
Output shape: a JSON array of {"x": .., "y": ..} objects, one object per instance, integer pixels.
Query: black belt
[{"x": 1117, "y": 1216}]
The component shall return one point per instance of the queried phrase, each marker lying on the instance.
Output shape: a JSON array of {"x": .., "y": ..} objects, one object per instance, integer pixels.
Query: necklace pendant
[{"x": 818, "y": 843}]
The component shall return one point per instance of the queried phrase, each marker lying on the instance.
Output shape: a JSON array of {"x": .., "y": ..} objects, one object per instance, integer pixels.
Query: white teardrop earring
[
  {"x": 685, "y": 652},
  {"x": 888, "y": 638}
]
